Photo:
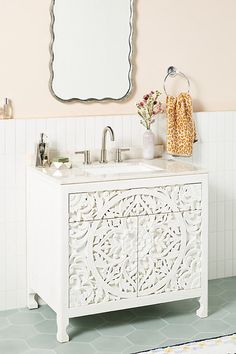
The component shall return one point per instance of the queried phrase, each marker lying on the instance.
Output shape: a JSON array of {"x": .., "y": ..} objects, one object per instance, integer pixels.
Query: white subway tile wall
[{"x": 215, "y": 151}]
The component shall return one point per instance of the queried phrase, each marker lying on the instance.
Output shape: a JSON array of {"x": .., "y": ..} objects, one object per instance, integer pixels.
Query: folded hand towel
[{"x": 181, "y": 132}]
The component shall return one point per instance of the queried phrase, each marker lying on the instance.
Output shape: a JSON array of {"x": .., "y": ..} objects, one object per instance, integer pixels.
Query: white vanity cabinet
[{"x": 108, "y": 245}]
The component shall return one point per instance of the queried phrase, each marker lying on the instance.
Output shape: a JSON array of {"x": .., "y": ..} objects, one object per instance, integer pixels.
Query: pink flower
[{"x": 146, "y": 97}]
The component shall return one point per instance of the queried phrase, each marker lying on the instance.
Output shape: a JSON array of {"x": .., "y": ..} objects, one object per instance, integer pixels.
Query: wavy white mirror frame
[{"x": 91, "y": 49}]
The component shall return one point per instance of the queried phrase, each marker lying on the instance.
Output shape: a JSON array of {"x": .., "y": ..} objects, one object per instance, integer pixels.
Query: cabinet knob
[
  {"x": 118, "y": 154},
  {"x": 86, "y": 153}
]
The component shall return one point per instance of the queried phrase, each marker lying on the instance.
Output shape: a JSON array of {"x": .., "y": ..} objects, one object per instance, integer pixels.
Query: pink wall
[{"x": 196, "y": 36}]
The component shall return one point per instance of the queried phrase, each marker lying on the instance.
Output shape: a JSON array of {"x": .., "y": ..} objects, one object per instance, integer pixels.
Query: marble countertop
[{"x": 81, "y": 174}]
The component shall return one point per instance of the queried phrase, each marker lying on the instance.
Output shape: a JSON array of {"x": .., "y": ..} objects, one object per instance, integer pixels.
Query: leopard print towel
[{"x": 181, "y": 132}]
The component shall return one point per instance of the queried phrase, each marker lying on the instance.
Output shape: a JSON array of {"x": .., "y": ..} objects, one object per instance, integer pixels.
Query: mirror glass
[{"x": 91, "y": 49}]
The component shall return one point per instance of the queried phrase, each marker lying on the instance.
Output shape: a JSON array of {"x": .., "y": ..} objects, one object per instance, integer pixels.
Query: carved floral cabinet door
[
  {"x": 103, "y": 261},
  {"x": 169, "y": 252}
]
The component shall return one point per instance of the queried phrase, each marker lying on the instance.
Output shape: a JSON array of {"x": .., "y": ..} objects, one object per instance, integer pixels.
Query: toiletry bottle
[
  {"x": 7, "y": 109},
  {"x": 42, "y": 152}
]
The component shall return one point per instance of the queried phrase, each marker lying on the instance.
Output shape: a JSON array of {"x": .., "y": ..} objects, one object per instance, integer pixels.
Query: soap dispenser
[
  {"x": 42, "y": 152},
  {"x": 7, "y": 109}
]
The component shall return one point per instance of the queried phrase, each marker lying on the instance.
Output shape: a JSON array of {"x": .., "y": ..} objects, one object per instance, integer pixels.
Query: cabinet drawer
[{"x": 134, "y": 202}]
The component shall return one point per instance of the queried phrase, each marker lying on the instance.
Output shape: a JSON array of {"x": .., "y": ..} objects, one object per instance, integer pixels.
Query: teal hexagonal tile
[
  {"x": 118, "y": 316},
  {"x": 227, "y": 283},
  {"x": 47, "y": 312},
  {"x": 152, "y": 323},
  {"x": 93, "y": 321},
  {"x": 43, "y": 341},
  {"x": 206, "y": 335},
  {"x": 13, "y": 346},
  {"x": 111, "y": 344},
  {"x": 230, "y": 319},
  {"x": 230, "y": 330},
  {"x": 146, "y": 311},
  {"x": 135, "y": 349},
  {"x": 214, "y": 289},
  {"x": 216, "y": 313},
  {"x": 18, "y": 332},
  {"x": 181, "y": 318},
  {"x": 178, "y": 331},
  {"x": 216, "y": 301},
  {"x": 172, "y": 342},
  {"x": 208, "y": 325},
  {"x": 41, "y": 351},
  {"x": 23, "y": 318},
  {"x": 144, "y": 337},
  {"x": 74, "y": 348},
  {"x": 228, "y": 295},
  {"x": 116, "y": 329},
  {"x": 47, "y": 326},
  {"x": 184, "y": 306},
  {"x": 230, "y": 307},
  {"x": 4, "y": 322},
  {"x": 7, "y": 313},
  {"x": 83, "y": 335}
]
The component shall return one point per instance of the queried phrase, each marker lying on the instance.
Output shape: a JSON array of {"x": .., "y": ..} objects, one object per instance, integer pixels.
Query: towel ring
[{"x": 172, "y": 72}]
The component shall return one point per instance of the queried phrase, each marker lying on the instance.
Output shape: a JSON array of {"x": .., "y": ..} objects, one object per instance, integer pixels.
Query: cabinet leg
[
  {"x": 203, "y": 309},
  {"x": 62, "y": 324},
  {"x": 32, "y": 302}
]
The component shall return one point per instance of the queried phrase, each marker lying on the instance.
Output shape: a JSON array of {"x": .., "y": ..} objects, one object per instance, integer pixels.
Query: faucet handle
[
  {"x": 118, "y": 154},
  {"x": 86, "y": 153}
]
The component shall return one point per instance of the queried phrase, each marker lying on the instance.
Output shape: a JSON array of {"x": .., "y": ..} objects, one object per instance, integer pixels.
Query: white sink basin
[{"x": 121, "y": 168}]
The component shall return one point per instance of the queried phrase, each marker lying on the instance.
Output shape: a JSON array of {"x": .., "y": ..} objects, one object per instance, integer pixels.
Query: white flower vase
[{"x": 148, "y": 145}]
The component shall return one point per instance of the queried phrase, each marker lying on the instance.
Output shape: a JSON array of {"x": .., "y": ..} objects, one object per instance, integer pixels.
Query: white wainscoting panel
[{"x": 215, "y": 150}]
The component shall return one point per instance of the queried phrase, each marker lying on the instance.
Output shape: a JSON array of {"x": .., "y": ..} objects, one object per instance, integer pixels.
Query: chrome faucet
[{"x": 104, "y": 149}]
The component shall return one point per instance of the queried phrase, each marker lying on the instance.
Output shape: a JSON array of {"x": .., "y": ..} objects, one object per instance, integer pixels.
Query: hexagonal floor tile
[
  {"x": 116, "y": 329},
  {"x": 144, "y": 337},
  {"x": 47, "y": 326},
  {"x": 177, "y": 331},
  {"x": 47, "y": 312},
  {"x": 43, "y": 341},
  {"x": 23, "y": 318},
  {"x": 206, "y": 335},
  {"x": 214, "y": 289},
  {"x": 118, "y": 316},
  {"x": 227, "y": 283},
  {"x": 216, "y": 313},
  {"x": 74, "y": 348},
  {"x": 41, "y": 351},
  {"x": 183, "y": 306},
  {"x": 91, "y": 322},
  {"x": 4, "y": 322},
  {"x": 171, "y": 342},
  {"x": 83, "y": 335},
  {"x": 135, "y": 349},
  {"x": 228, "y": 295},
  {"x": 151, "y": 323},
  {"x": 231, "y": 319},
  {"x": 181, "y": 318},
  {"x": 18, "y": 332},
  {"x": 7, "y": 313},
  {"x": 216, "y": 301},
  {"x": 208, "y": 325},
  {"x": 111, "y": 344},
  {"x": 12, "y": 346},
  {"x": 146, "y": 311}
]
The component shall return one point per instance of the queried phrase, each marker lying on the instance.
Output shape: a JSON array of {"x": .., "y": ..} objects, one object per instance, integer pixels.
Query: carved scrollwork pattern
[
  {"x": 169, "y": 252},
  {"x": 136, "y": 242},
  {"x": 103, "y": 261},
  {"x": 134, "y": 202}
]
